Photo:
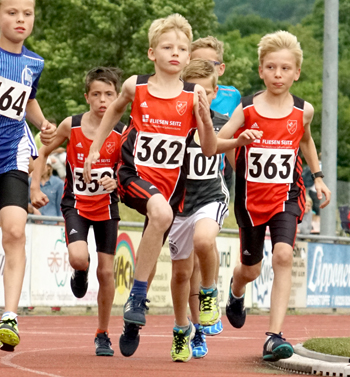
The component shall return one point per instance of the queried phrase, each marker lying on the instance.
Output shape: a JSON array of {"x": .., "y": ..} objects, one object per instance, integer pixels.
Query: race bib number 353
[
  {"x": 13, "y": 98},
  {"x": 92, "y": 188},
  {"x": 270, "y": 165},
  {"x": 160, "y": 150}
]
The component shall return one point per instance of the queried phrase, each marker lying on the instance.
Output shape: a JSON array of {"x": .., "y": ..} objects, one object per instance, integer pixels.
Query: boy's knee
[
  {"x": 202, "y": 244},
  {"x": 181, "y": 275},
  {"x": 283, "y": 259},
  {"x": 13, "y": 234},
  {"x": 250, "y": 273},
  {"x": 104, "y": 274},
  {"x": 161, "y": 216}
]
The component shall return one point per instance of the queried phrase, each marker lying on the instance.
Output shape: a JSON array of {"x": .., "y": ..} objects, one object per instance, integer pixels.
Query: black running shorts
[{"x": 14, "y": 189}]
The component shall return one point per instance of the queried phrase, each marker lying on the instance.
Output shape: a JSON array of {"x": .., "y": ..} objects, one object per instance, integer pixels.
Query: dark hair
[{"x": 109, "y": 75}]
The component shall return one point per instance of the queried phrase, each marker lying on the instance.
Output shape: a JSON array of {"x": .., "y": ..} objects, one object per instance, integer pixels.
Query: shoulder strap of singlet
[
  {"x": 142, "y": 79},
  {"x": 247, "y": 101},
  {"x": 298, "y": 102},
  {"x": 119, "y": 127},
  {"x": 76, "y": 120},
  {"x": 188, "y": 86}
]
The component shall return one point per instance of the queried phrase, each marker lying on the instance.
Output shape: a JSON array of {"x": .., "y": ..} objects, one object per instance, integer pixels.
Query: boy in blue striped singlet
[{"x": 20, "y": 70}]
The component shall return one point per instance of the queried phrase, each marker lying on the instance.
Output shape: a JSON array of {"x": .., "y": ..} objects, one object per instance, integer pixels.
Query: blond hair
[
  {"x": 200, "y": 69},
  {"x": 277, "y": 41},
  {"x": 164, "y": 25},
  {"x": 210, "y": 42}
]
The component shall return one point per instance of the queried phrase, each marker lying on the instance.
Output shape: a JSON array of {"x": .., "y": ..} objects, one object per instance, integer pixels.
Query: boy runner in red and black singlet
[
  {"x": 165, "y": 112},
  {"x": 273, "y": 125},
  {"x": 94, "y": 204}
]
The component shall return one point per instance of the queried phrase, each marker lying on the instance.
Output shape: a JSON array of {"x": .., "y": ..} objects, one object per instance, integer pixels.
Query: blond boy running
[
  {"x": 165, "y": 113},
  {"x": 274, "y": 125}
]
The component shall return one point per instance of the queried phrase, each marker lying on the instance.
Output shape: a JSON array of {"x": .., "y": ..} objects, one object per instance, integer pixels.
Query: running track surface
[{"x": 62, "y": 346}]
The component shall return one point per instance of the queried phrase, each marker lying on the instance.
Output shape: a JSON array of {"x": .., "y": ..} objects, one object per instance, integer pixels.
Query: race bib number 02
[
  {"x": 92, "y": 188},
  {"x": 202, "y": 167},
  {"x": 270, "y": 165},
  {"x": 13, "y": 98},
  {"x": 160, "y": 150}
]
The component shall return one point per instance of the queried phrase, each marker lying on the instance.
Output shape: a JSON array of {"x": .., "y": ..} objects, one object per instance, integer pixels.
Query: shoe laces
[
  {"x": 276, "y": 335},
  {"x": 103, "y": 340},
  {"x": 139, "y": 304},
  {"x": 179, "y": 342},
  {"x": 9, "y": 321},
  {"x": 206, "y": 302},
  {"x": 198, "y": 339}
]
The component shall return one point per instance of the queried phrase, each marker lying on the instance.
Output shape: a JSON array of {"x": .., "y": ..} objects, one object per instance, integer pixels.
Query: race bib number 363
[
  {"x": 13, "y": 98},
  {"x": 270, "y": 165},
  {"x": 160, "y": 150}
]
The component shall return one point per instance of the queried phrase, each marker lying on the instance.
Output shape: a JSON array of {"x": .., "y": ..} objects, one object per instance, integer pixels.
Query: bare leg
[
  {"x": 180, "y": 288},
  {"x": 194, "y": 289},
  {"x": 242, "y": 275},
  {"x": 282, "y": 261},
  {"x": 106, "y": 291},
  {"x": 13, "y": 241},
  {"x": 78, "y": 255}
]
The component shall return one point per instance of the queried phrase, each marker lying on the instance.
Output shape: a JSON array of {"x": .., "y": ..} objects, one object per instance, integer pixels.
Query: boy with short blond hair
[
  {"x": 269, "y": 187},
  {"x": 196, "y": 226},
  {"x": 151, "y": 177},
  {"x": 20, "y": 71}
]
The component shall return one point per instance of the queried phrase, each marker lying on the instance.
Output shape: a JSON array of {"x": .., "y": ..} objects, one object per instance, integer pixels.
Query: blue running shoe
[
  {"x": 213, "y": 329},
  {"x": 199, "y": 344},
  {"x": 135, "y": 309},
  {"x": 276, "y": 348}
]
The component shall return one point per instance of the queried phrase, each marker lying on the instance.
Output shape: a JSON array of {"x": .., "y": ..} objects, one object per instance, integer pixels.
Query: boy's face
[
  {"x": 279, "y": 71},
  {"x": 172, "y": 52},
  {"x": 210, "y": 55},
  {"x": 100, "y": 96},
  {"x": 207, "y": 85},
  {"x": 16, "y": 22}
]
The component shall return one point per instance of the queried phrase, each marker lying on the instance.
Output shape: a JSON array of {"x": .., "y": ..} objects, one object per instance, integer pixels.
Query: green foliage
[
  {"x": 282, "y": 10},
  {"x": 74, "y": 36}
]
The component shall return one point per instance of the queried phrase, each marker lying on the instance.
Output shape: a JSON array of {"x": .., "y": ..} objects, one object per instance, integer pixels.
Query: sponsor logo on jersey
[
  {"x": 110, "y": 147},
  {"x": 27, "y": 76},
  {"x": 292, "y": 126},
  {"x": 145, "y": 118},
  {"x": 79, "y": 145},
  {"x": 181, "y": 107},
  {"x": 80, "y": 156},
  {"x": 144, "y": 104},
  {"x": 255, "y": 125}
]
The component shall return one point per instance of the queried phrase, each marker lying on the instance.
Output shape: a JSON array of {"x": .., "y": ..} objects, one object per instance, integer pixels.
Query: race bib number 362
[
  {"x": 13, "y": 98},
  {"x": 270, "y": 165},
  {"x": 160, "y": 150}
]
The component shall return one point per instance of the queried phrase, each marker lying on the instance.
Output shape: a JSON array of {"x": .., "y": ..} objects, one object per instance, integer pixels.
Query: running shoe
[
  {"x": 130, "y": 339},
  {"x": 9, "y": 336},
  {"x": 210, "y": 312},
  {"x": 213, "y": 329},
  {"x": 181, "y": 349},
  {"x": 276, "y": 348},
  {"x": 79, "y": 282},
  {"x": 235, "y": 310},
  {"x": 199, "y": 344},
  {"x": 103, "y": 345},
  {"x": 135, "y": 309}
]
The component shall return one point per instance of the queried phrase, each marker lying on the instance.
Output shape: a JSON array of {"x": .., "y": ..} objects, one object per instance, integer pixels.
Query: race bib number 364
[
  {"x": 270, "y": 165},
  {"x": 160, "y": 150},
  {"x": 13, "y": 98}
]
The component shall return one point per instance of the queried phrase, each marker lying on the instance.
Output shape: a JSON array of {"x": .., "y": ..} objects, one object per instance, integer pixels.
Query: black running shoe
[
  {"x": 235, "y": 310},
  {"x": 277, "y": 348},
  {"x": 103, "y": 345},
  {"x": 79, "y": 282},
  {"x": 135, "y": 309},
  {"x": 130, "y": 339}
]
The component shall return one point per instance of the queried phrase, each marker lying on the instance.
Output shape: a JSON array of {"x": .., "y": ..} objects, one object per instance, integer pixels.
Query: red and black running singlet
[
  {"x": 154, "y": 144},
  {"x": 91, "y": 200},
  {"x": 268, "y": 171}
]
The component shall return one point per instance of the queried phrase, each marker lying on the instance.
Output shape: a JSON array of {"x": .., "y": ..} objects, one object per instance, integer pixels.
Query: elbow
[{"x": 209, "y": 151}]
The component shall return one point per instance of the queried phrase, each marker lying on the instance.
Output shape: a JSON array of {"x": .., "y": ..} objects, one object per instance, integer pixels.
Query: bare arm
[
  {"x": 308, "y": 149},
  {"x": 36, "y": 117},
  {"x": 37, "y": 198},
  {"x": 225, "y": 142},
  {"x": 111, "y": 117}
]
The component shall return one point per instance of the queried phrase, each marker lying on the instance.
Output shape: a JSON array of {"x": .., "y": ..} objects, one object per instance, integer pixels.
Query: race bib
[
  {"x": 92, "y": 188},
  {"x": 13, "y": 98},
  {"x": 270, "y": 165},
  {"x": 202, "y": 167},
  {"x": 160, "y": 150}
]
